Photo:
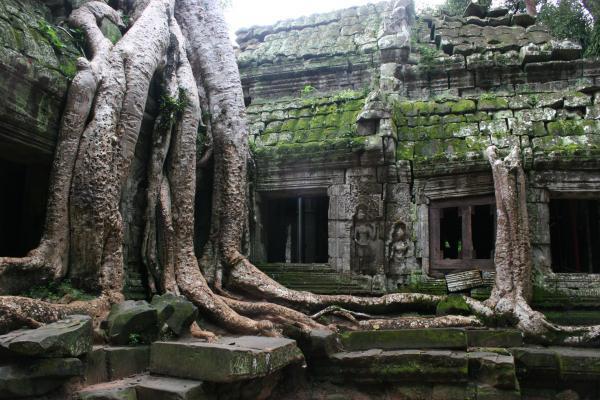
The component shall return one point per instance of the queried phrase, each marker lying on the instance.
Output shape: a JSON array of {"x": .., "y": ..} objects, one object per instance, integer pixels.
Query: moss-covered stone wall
[{"x": 37, "y": 59}]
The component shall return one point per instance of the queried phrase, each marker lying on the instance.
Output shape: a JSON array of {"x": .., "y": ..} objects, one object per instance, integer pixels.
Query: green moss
[
  {"x": 463, "y": 106},
  {"x": 477, "y": 117},
  {"x": 453, "y": 305},
  {"x": 492, "y": 103},
  {"x": 565, "y": 128},
  {"x": 405, "y": 150}
]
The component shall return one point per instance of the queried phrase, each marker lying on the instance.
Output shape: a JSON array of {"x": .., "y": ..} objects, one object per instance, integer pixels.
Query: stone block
[
  {"x": 486, "y": 392},
  {"x": 377, "y": 366},
  {"x": 494, "y": 338},
  {"x": 175, "y": 311},
  {"x": 227, "y": 360},
  {"x": 122, "y": 362},
  {"x": 577, "y": 99},
  {"x": 131, "y": 320},
  {"x": 578, "y": 364},
  {"x": 163, "y": 388},
  {"x": 36, "y": 378},
  {"x": 536, "y": 363},
  {"x": 405, "y": 339},
  {"x": 70, "y": 337},
  {"x": 95, "y": 366},
  {"x": 125, "y": 391},
  {"x": 496, "y": 370}
]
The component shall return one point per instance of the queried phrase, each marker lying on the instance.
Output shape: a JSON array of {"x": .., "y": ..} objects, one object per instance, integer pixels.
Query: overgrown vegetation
[
  {"x": 170, "y": 108},
  {"x": 55, "y": 292}
]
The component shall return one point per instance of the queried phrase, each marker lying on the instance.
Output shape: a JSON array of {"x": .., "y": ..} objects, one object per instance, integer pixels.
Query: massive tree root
[{"x": 185, "y": 45}]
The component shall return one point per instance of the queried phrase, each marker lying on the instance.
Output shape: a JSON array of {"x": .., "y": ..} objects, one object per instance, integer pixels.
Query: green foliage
[
  {"x": 307, "y": 90},
  {"x": 171, "y": 107},
  {"x": 428, "y": 56},
  {"x": 55, "y": 291},
  {"x": 593, "y": 47},
  {"x": 126, "y": 18},
  {"x": 134, "y": 339},
  {"x": 567, "y": 19},
  {"x": 51, "y": 34}
]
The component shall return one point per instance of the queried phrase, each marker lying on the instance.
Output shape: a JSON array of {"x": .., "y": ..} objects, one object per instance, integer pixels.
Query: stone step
[
  {"x": 405, "y": 339},
  {"x": 164, "y": 388},
  {"x": 394, "y": 366},
  {"x": 123, "y": 389},
  {"x": 69, "y": 337},
  {"x": 109, "y": 363},
  {"x": 36, "y": 377},
  {"x": 226, "y": 360},
  {"x": 429, "y": 339},
  {"x": 557, "y": 364}
]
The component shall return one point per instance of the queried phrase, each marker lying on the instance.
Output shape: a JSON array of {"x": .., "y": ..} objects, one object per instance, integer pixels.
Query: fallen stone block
[
  {"x": 161, "y": 388},
  {"x": 175, "y": 311},
  {"x": 70, "y": 337},
  {"x": 227, "y": 360},
  {"x": 36, "y": 378},
  {"x": 132, "y": 321},
  {"x": 451, "y": 338}
]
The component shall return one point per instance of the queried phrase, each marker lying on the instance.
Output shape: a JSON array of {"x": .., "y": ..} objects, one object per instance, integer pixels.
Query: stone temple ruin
[
  {"x": 368, "y": 127},
  {"x": 375, "y": 120}
]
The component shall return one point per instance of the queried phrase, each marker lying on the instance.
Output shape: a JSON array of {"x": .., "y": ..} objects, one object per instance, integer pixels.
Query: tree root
[{"x": 18, "y": 312}]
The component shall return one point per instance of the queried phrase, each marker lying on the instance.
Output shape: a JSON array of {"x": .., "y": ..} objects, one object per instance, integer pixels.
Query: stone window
[
  {"x": 462, "y": 233},
  {"x": 296, "y": 229},
  {"x": 575, "y": 235}
]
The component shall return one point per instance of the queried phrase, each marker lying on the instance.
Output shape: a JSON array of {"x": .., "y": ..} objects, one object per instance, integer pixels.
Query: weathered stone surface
[
  {"x": 122, "y": 362},
  {"x": 374, "y": 366},
  {"x": 227, "y": 360},
  {"x": 486, "y": 392},
  {"x": 161, "y": 388},
  {"x": 474, "y": 10},
  {"x": 494, "y": 338},
  {"x": 536, "y": 362},
  {"x": 124, "y": 392},
  {"x": 493, "y": 369},
  {"x": 35, "y": 378},
  {"x": 405, "y": 339},
  {"x": 132, "y": 321},
  {"x": 70, "y": 337},
  {"x": 175, "y": 311},
  {"x": 95, "y": 366},
  {"x": 578, "y": 364},
  {"x": 523, "y": 19}
]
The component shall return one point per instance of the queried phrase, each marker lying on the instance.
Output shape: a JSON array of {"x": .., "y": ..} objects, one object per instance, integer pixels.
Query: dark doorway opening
[
  {"x": 22, "y": 206},
  {"x": 484, "y": 227},
  {"x": 296, "y": 229},
  {"x": 451, "y": 233},
  {"x": 575, "y": 235}
]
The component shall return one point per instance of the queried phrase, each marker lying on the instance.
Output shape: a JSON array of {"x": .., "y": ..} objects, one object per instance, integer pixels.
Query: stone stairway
[
  {"x": 195, "y": 370},
  {"x": 436, "y": 363},
  {"x": 320, "y": 278}
]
